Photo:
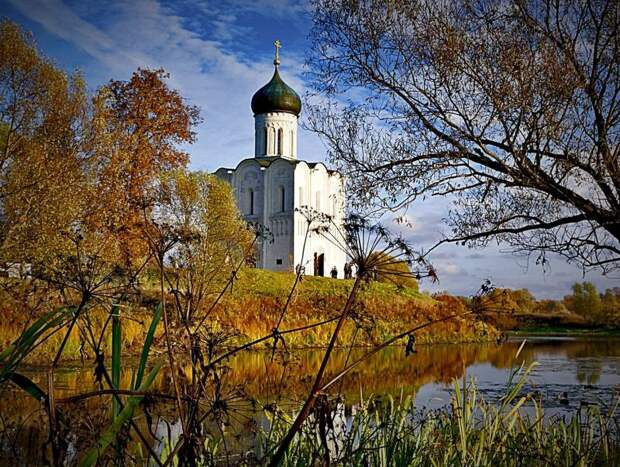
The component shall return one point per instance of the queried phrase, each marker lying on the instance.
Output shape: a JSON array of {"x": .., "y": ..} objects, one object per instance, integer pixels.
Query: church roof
[
  {"x": 267, "y": 161},
  {"x": 276, "y": 96}
]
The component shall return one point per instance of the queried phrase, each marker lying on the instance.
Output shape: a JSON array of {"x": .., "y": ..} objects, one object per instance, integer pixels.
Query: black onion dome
[{"x": 276, "y": 96}]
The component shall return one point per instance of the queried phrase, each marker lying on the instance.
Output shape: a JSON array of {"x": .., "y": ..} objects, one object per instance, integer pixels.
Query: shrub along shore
[{"x": 252, "y": 308}]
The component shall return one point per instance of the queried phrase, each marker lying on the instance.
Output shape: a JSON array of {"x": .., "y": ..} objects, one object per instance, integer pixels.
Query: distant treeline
[{"x": 585, "y": 307}]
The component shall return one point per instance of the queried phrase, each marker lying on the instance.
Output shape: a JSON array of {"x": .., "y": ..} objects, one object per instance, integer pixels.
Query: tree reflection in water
[{"x": 253, "y": 382}]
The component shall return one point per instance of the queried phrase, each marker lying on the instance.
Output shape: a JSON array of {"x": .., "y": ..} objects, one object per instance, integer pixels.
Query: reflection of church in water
[{"x": 272, "y": 184}]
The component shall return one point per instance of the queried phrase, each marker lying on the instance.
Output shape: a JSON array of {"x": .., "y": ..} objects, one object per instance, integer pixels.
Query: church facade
[{"x": 272, "y": 185}]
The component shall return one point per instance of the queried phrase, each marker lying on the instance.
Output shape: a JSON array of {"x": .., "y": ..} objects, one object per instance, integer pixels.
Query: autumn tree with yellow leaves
[
  {"x": 81, "y": 170},
  {"x": 140, "y": 125},
  {"x": 43, "y": 120},
  {"x": 212, "y": 239}
]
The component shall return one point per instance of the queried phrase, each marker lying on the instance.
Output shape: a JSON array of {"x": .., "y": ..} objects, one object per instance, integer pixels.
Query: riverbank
[
  {"x": 381, "y": 311},
  {"x": 549, "y": 324},
  {"x": 253, "y": 308},
  {"x": 565, "y": 331}
]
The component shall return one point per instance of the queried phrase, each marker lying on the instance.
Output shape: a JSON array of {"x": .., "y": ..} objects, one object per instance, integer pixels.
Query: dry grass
[
  {"x": 382, "y": 310},
  {"x": 135, "y": 323},
  {"x": 254, "y": 305}
]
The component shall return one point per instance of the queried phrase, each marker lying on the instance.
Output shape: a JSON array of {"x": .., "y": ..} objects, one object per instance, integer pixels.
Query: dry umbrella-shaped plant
[{"x": 372, "y": 250}]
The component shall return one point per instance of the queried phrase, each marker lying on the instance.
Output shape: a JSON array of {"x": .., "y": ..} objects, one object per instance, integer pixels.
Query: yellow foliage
[{"x": 40, "y": 148}]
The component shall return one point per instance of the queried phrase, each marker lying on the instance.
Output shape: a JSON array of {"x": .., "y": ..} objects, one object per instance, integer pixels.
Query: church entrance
[{"x": 319, "y": 264}]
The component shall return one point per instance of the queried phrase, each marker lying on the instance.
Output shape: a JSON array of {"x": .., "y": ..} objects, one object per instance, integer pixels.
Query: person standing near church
[{"x": 347, "y": 271}]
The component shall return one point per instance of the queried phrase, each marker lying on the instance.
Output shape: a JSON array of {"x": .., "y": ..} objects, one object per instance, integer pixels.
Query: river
[{"x": 569, "y": 373}]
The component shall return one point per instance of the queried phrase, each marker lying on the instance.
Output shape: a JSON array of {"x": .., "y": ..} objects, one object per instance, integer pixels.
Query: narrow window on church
[
  {"x": 251, "y": 202},
  {"x": 272, "y": 138},
  {"x": 282, "y": 199},
  {"x": 318, "y": 200},
  {"x": 280, "y": 141},
  {"x": 292, "y": 144},
  {"x": 265, "y": 143},
  {"x": 301, "y": 196}
]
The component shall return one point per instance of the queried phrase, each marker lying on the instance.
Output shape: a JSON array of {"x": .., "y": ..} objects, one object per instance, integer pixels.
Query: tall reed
[{"x": 470, "y": 431}]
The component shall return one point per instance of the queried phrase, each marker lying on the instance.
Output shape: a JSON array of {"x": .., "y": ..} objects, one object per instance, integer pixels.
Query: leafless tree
[{"x": 509, "y": 107}]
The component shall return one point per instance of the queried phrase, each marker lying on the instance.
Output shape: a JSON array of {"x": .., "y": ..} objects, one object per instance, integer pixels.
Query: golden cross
[{"x": 278, "y": 44}]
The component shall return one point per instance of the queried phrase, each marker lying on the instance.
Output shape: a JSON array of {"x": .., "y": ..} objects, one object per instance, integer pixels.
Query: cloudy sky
[{"x": 218, "y": 54}]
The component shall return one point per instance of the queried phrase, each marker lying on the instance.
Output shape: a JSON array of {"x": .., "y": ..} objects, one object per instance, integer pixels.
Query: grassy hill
[
  {"x": 382, "y": 310},
  {"x": 254, "y": 305}
]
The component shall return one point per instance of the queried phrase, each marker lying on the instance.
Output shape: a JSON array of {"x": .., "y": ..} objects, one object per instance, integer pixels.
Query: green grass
[{"x": 263, "y": 283}]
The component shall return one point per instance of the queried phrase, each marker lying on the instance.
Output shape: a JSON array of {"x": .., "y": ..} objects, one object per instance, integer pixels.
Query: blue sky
[{"x": 218, "y": 54}]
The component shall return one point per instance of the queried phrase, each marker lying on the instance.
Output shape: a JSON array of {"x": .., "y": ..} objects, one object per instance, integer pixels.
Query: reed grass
[
  {"x": 135, "y": 322},
  {"x": 471, "y": 431},
  {"x": 116, "y": 355}
]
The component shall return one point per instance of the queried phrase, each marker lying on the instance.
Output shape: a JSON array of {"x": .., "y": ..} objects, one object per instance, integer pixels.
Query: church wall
[
  {"x": 225, "y": 174},
  {"x": 302, "y": 192},
  {"x": 322, "y": 192},
  {"x": 248, "y": 179},
  {"x": 278, "y": 215},
  {"x": 248, "y": 184},
  {"x": 302, "y": 185},
  {"x": 337, "y": 204}
]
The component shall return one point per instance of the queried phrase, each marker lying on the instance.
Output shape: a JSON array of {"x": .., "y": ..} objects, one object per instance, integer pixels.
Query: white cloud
[
  {"x": 60, "y": 20},
  {"x": 205, "y": 55},
  {"x": 144, "y": 33},
  {"x": 281, "y": 8}
]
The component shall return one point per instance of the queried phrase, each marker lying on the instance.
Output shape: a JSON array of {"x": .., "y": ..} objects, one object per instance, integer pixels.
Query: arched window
[
  {"x": 292, "y": 144},
  {"x": 280, "y": 141},
  {"x": 272, "y": 138},
  {"x": 251, "y": 197},
  {"x": 282, "y": 199},
  {"x": 265, "y": 142},
  {"x": 318, "y": 201},
  {"x": 300, "y": 201}
]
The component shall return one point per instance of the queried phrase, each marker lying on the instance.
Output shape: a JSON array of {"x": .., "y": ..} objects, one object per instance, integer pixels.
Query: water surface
[{"x": 570, "y": 372}]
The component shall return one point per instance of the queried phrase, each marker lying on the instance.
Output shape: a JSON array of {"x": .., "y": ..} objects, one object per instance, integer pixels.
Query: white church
[{"x": 270, "y": 186}]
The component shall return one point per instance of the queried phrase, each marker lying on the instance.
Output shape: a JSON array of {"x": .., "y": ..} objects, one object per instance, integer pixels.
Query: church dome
[{"x": 276, "y": 96}]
